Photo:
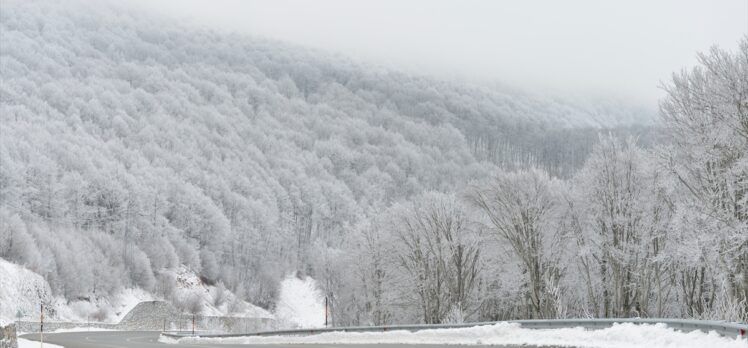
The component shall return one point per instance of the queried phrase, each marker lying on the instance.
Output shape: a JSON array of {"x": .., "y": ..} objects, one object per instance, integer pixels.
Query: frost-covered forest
[{"x": 131, "y": 145}]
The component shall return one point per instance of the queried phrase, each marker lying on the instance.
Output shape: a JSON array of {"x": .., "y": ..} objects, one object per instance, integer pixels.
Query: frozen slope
[
  {"x": 21, "y": 291},
  {"x": 300, "y": 303},
  {"x": 215, "y": 299}
]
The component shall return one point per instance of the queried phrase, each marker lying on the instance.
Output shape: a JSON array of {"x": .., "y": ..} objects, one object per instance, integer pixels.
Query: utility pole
[{"x": 193, "y": 324}]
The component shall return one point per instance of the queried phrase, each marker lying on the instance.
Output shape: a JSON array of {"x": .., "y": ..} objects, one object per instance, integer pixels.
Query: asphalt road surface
[
  {"x": 114, "y": 339},
  {"x": 149, "y": 339}
]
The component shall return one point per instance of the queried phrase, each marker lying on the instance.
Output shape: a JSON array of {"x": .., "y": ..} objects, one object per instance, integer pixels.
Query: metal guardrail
[{"x": 724, "y": 328}]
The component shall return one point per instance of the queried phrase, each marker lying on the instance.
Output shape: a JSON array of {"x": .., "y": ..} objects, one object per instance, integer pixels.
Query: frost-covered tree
[
  {"x": 705, "y": 116},
  {"x": 621, "y": 217},
  {"x": 374, "y": 267},
  {"x": 439, "y": 249},
  {"x": 522, "y": 210}
]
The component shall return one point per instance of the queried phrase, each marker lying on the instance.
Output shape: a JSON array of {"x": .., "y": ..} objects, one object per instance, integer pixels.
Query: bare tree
[
  {"x": 194, "y": 305},
  {"x": 190, "y": 304}
]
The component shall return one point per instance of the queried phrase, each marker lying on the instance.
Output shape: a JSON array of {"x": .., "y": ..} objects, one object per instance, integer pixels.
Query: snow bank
[
  {"x": 23, "y": 343},
  {"x": 624, "y": 335},
  {"x": 167, "y": 339},
  {"x": 300, "y": 303},
  {"x": 80, "y": 329}
]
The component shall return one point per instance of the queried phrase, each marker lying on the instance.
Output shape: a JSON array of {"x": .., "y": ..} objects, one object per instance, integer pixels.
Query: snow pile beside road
[
  {"x": 624, "y": 335},
  {"x": 80, "y": 329},
  {"x": 300, "y": 303},
  {"x": 23, "y": 343}
]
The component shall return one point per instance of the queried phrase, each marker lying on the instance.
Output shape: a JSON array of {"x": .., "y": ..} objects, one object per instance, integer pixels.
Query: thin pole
[
  {"x": 41, "y": 324},
  {"x": 325, "y": 311}
]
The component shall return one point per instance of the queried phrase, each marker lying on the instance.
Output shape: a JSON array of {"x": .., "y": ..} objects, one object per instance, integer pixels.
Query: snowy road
[{"x": 149, "y": 339}]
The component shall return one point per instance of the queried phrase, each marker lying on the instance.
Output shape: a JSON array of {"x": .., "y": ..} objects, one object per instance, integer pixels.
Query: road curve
[
  {"x": 113, "y": 339},
  {"x": 149, "y": 339}
]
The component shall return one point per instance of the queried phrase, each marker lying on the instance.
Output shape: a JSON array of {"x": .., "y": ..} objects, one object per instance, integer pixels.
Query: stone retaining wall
[
  {"x": 8, "y": 336},
  {"x": 150, "y": 315}
]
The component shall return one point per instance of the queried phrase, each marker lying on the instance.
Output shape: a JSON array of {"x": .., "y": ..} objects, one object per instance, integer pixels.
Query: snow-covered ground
[
  {"x": 300, "y": 304},
  {"x": 80, "y": 329},
  {"x": 22, "y": 343},
  {"x": 625, "y": 335}
]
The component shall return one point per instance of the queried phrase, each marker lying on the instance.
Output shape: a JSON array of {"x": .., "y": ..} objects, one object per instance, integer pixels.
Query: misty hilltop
[{"x": 130, "y": 145}]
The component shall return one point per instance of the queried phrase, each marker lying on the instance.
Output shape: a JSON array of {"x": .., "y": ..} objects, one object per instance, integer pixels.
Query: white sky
[{"x": 620, "y": 48}]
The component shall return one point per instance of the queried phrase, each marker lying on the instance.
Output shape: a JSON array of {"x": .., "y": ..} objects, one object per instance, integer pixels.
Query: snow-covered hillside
[
  {"x": 132, "y": 144},
  {"x": 23, "y": 291},
  {"x": 216, "y": 300},
  {"x": 146, "y": 158},
  {"x": 107, "y": 309},
  {"x": 300, "y": 303}
]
